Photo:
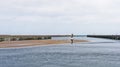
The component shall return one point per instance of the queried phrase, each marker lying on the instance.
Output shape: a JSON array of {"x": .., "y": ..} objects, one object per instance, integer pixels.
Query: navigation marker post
[{"x": 72, "y": 40}]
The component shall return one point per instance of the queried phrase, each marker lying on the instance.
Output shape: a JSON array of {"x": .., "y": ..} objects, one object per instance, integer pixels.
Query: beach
[{"x": 25, "y": 43}]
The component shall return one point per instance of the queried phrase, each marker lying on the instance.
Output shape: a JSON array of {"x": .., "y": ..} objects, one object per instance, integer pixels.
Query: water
[{"x": 97, "y": 53}]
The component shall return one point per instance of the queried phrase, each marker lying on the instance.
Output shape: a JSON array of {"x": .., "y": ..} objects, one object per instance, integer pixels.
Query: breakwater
[{"x": 115, "y": 37}]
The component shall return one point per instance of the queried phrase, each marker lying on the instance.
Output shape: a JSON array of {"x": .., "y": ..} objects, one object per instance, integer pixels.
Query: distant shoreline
[{"x": 25, "y": 43}]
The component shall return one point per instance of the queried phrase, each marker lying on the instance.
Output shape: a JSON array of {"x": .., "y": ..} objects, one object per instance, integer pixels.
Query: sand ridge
[{"x": 7, "y": 44}]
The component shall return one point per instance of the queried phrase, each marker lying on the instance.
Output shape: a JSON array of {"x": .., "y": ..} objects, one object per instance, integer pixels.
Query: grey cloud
[{"x": 87, "y": 16}]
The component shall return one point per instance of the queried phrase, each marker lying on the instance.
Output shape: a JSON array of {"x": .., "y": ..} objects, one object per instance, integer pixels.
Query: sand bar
[{"x": 7, "y": 44}]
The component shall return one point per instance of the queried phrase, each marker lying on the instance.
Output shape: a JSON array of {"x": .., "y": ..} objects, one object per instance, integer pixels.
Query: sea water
[{"x": 96, "y": 53}]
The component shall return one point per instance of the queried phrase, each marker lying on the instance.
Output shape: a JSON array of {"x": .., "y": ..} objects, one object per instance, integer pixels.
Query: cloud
[{"x": 69, "y": 13}]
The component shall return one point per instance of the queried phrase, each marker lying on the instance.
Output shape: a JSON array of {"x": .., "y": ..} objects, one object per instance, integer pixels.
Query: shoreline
[{"x": 26, "y": 43}]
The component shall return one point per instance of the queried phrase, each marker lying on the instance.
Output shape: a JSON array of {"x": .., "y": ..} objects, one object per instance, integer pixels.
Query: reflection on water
[{"x": 97, "y": 53}]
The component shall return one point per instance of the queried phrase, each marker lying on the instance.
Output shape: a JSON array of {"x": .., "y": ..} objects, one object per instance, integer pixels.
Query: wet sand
[{"x": 8, "y": 44}]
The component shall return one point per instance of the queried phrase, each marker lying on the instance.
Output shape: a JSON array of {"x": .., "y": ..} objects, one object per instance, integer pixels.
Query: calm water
[{"x": 97, "y": 53}]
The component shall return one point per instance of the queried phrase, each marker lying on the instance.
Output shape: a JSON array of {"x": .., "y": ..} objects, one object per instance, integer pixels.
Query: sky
[{"x": 41, "y": 17}]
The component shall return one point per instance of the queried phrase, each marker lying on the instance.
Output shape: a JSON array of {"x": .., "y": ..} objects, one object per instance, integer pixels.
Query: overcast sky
[{"x": 59, "y": 16}]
